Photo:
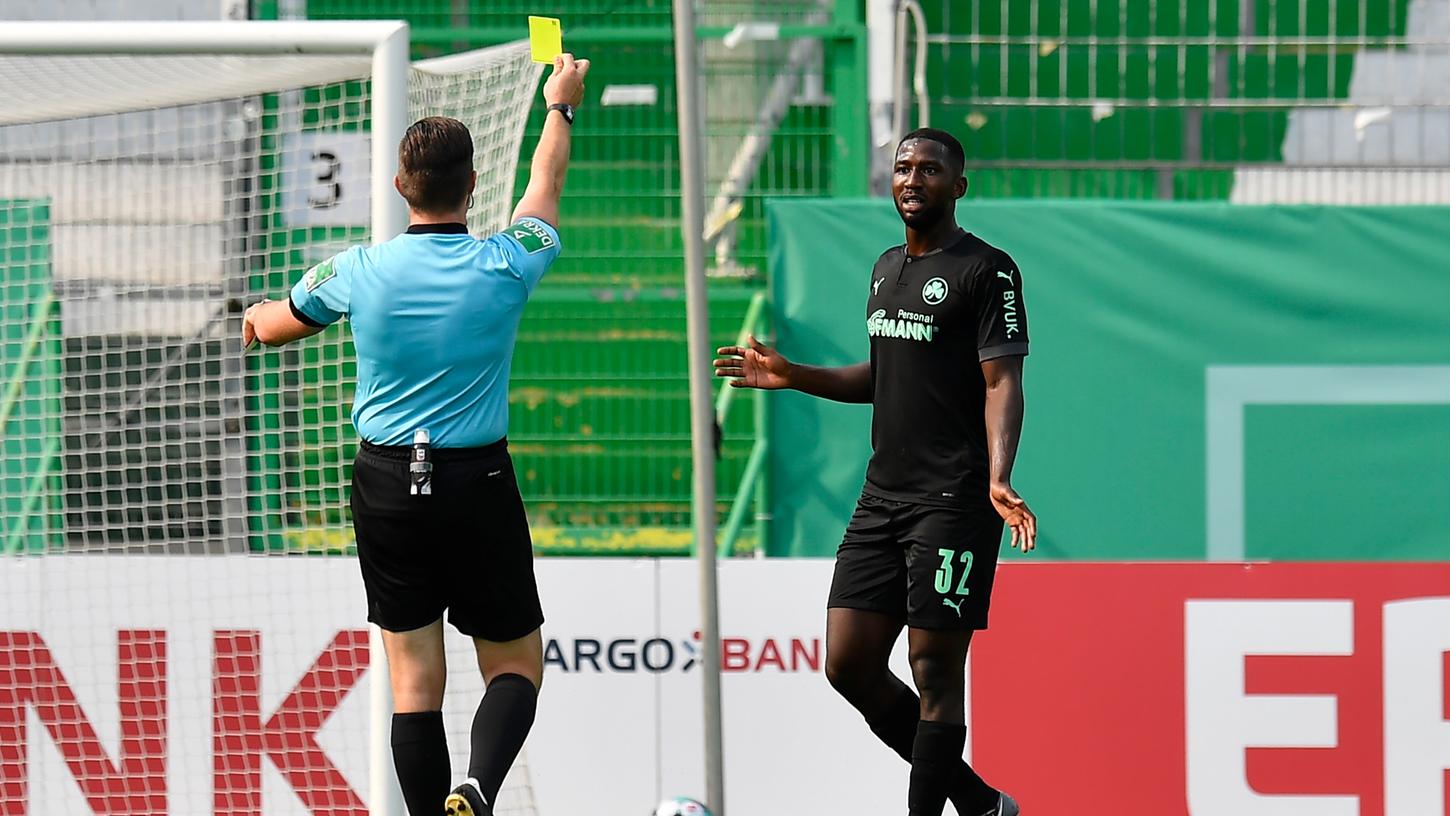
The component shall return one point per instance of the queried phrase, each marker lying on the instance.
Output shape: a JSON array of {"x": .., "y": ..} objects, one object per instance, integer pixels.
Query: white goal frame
[{"x": 387, "y": 43}]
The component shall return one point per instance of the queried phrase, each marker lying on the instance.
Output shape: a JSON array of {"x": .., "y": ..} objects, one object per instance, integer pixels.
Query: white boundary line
[{"x": 1229, "y": 388}]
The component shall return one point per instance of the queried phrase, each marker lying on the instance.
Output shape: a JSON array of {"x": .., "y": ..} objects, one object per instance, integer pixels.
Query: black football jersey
[{"x": 933, "y": 320}]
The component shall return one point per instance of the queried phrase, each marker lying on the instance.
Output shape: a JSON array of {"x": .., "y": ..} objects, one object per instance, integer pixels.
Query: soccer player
[
  {"x": 948, "y": 334},
  {"x": 434, "y": 314}
]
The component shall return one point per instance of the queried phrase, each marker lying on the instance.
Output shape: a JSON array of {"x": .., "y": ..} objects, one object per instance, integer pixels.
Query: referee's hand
[
  {"x": 1018, "y": 516},
  {"x": 565, "y": 84},
  {"x": 249, "y": 325},
  {"x": 755, "y": 366}
]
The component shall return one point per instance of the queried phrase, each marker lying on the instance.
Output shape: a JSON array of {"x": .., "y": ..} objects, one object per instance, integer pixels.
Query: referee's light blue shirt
[{"x": 434, "y": 315}]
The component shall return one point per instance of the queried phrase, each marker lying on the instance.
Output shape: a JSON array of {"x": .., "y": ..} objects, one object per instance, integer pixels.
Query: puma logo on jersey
[
  {"x": 1005, "y": 275},
  {"x": 876, "y": 287},
  {"x": 956, "y": 606}
]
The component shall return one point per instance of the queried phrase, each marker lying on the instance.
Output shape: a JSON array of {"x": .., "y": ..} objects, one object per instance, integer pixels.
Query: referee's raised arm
[{"x": 563, "y": 93}]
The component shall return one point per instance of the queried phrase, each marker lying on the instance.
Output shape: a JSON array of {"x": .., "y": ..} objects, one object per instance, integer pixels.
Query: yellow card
[{"x": 546, "y": 38}]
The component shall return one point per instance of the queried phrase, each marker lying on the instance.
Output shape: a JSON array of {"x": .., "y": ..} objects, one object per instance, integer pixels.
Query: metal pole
[
  {"x": 702, "y": 413},
  {"x": 385, "y": 797},
  {"x": 850, "y": 161},
  {"x": 389, "y": 218},
  {"x": 881, "y": 89},
  {"x": 390, "y": 122}
]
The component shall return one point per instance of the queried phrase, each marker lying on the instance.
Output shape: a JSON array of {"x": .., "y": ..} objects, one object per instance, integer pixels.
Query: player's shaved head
[
  {"x": 955, "y": 154},
  {"x": 926, "y": 178},
  {"x": 435, "y": 164}
]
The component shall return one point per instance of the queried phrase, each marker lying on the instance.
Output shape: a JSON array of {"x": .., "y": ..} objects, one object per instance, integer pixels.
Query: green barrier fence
[
  {"x": 599, "y": 407},
  {"x": 599, "y": 428},
  {"x": 1206, "y": 380},
  {"x": 1146, "y": 99}
]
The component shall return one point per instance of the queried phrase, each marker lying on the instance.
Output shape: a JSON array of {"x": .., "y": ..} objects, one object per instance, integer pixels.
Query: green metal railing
[
  {"x": 33, "y": 338},
  {"x": 1150, "y": 100},
  {"x": 599, "y": 422},
  {"x": 599, "y": 399},
  {"x": 34, "y": 492},
  {"x": 44, "y": 313},
  {"x": 753, "y": 490}
]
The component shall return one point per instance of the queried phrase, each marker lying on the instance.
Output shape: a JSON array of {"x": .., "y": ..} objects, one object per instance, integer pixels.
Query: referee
[
  {"x": 435, "y": 505},
  {"x": 948, "y": 333}
]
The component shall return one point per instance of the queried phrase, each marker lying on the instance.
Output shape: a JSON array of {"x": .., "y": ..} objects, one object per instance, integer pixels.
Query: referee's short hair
[
  {"x": 435, "y": 163},
  {"x": 941, "y": 137}
]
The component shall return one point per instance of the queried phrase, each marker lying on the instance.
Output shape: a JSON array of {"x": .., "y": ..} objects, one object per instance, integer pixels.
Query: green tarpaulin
[
  {"x": 30, "y": 356},
  {"x": 1283, "y": 371}
]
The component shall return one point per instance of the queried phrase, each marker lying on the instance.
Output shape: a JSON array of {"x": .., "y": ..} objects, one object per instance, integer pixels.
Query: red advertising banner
[
  {"x": 1217, "y": 689},
  {"x": 163, "y": 687}
]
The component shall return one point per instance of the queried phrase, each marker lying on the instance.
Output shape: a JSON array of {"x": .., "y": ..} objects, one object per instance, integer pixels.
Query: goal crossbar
[
  {"x": 385, "y": 41},
  {"x": 219, "y": 37}
]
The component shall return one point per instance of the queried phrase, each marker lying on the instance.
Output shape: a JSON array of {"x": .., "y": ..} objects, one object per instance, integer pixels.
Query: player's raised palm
[{"x": 753, "y": 366}]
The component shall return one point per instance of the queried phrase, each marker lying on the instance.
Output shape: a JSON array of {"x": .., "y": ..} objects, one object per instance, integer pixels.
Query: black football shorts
[
  {"x": 931, "y": 566},
  {"x": 464, "y": 549}
]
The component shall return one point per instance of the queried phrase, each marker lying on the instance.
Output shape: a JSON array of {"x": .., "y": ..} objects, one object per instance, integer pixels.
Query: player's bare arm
[
  {"x": 565, "y": 86},
  {"x": 1004, "y": 428},
  {"x": 760, "y": 366},
  {"x": 272, "y": 322}
]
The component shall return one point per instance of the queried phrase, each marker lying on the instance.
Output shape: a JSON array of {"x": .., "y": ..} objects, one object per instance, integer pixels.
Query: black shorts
[
  {"x": 932, "y": 566},
  {"x": 465, "y": 548}
]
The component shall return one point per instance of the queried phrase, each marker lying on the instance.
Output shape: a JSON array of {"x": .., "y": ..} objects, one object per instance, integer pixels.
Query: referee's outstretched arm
[
  {"x": 274, "y": 323},
  {"x": 562, "y": 93},
  {"x": 277, "y": 323}
]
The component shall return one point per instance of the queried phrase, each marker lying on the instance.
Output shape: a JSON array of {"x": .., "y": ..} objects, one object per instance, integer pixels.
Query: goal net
[{"x": 145, "y": 200}]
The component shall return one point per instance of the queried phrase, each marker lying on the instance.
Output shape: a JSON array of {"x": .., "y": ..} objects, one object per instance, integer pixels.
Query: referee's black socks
[
  {"x": 420, "y": 753},
  {"x": 897, "y": 727},
  {"x": 499, "y": 729}
]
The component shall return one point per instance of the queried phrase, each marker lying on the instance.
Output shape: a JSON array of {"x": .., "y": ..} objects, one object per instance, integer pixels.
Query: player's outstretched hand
[
  {"x": 755, "y": 366},
  {"x": 1018, "y": 516},
  {"x": 566, "y": 82}
]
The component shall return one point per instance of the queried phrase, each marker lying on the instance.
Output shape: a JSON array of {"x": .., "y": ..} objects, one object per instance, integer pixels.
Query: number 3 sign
[{"x": 325, "y": 179}]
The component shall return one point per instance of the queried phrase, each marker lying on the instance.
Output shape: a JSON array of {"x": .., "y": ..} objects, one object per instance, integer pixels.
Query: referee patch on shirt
[
  {"x": 320, "y": 274},
  {"x": 531, "y": 235}
]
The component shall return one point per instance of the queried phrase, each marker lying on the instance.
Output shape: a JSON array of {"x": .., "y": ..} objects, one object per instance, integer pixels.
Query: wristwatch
[{"x": 566, "y": 109}]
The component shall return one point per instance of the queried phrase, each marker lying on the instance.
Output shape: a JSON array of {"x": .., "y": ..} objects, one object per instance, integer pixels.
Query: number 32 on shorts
[{"x": 944, "y": 572}]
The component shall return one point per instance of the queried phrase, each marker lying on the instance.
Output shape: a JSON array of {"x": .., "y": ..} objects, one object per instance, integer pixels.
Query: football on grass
[{"x": 680, "y": 806}]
